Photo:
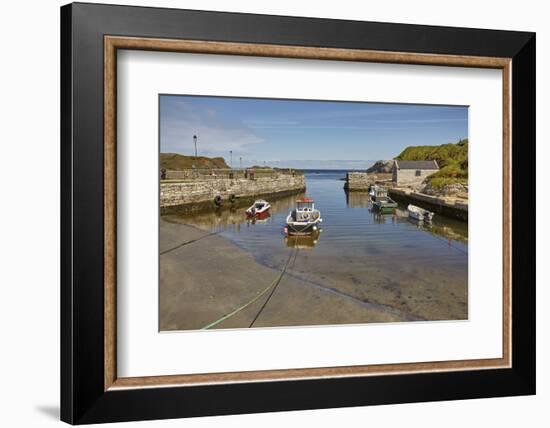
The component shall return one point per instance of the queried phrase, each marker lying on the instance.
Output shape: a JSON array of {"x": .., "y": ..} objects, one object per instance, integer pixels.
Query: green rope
[{"x": 247, "y": 304}]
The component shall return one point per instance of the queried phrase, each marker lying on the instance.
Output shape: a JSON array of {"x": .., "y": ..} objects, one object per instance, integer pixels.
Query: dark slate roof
[{"x": 417, "y": 164}]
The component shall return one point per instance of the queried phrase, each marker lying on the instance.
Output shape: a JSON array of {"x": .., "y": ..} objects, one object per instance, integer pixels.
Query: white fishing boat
[
  {"x": 259, "y": 210},
  {"x": 304, "y": 219},
  {"x": 420, "y": 214}
]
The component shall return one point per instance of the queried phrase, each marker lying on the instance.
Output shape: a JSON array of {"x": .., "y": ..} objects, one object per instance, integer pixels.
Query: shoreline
[
  {"x": 223, "y": 277},
  {"x": 205, "y": 276}
]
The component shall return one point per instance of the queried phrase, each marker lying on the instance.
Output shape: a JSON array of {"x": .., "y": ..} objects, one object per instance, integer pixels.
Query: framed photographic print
[{"x": 265, "y": 213}]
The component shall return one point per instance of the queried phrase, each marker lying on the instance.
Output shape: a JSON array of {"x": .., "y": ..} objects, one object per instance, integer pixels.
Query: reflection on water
[
  {"x": 358, "y": 199},
  {"x": 234, "y": 219},
  {"x": 388, "y": 259},
  {"x": 349, "y": 225},
  {"x": 328, "y": 195},
  {"x": 446, "y": 228},
  {"x": 303, "y": 242}
]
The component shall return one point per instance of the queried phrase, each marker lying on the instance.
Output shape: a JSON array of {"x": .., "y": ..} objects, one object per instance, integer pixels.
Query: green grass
[
  {"x": 177, "y": 162},
  {"x": 444, "y": 155},
  {"x": 451, "y": 158}
]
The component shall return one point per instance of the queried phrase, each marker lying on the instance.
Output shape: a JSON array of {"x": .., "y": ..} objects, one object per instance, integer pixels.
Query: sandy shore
[{"x": 204, "y": 277}]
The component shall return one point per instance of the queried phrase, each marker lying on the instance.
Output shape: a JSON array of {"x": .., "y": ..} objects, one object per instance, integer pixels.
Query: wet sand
[{"x": 204, "y": 277}]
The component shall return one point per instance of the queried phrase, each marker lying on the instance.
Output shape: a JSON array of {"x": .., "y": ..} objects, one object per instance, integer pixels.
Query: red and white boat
[
  {"x": 305, "y": 219},
  {"x": 259, "y": 210}
]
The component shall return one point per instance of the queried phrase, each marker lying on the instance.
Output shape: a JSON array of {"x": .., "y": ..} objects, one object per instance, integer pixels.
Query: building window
[{"x": 418, "y": 173}]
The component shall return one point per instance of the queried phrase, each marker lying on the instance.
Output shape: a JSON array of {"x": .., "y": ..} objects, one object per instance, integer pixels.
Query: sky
[{"x": 303, "y": 134}]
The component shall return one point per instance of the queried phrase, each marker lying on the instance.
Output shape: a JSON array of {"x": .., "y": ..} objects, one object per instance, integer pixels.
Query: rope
[
  {"x": 274, "y": 288},
  {"x": 250, "y": 302},
  {"x": 187, "y": 243}
]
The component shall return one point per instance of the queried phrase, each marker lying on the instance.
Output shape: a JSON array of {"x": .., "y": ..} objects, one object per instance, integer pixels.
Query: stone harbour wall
[
  {"x": 200, "y": 194},
  {"x": 358, "y": 181},
  {"x": 448, "y": 207}
]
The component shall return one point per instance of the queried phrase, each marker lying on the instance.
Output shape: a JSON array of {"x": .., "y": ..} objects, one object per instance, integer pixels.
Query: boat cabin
[
  {"x": 379, "y": 193},
  {"x": 305, "y": 210},
  {"x": 259, "y": 204},
  {"x": 305, "y": 204}
]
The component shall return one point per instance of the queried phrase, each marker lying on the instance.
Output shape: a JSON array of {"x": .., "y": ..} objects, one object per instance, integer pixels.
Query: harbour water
[{"x": 389, "y": 261}]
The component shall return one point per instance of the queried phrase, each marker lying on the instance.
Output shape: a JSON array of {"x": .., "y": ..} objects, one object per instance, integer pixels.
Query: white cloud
[{"x": 215, "y": 135}]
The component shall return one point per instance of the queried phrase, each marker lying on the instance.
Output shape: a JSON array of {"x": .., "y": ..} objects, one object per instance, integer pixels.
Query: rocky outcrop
[
  {"x": 381, "y": 167},
  {"x": 455, "y": 189}
]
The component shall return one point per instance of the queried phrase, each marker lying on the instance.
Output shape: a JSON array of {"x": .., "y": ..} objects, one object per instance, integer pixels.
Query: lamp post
[
  {"x": 195, "y": 140},
  {"x": 240, "y": 162},
  {"x": 231, "y": 158}
]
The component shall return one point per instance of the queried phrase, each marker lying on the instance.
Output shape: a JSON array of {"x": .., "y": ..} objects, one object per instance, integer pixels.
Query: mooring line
[
  {"x": 250, "y": 302},
  {"x": 187, "y": 243},
  {"x": 274, "y": 288},
  {"x": 295, "y": 255}
]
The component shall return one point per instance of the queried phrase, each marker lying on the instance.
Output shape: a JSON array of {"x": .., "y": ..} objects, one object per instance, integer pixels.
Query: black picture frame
[{"x": 83, "y": 398}]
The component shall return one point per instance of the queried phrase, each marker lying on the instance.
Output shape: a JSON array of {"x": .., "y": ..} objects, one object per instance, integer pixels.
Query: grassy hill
[
  {"x": 177, "y": 162},
  {"x": 451, "y": 158}
]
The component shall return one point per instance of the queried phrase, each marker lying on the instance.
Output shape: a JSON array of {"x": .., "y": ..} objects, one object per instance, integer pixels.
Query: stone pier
[
  {"x": 358, "y": 181},
  {"x": 448, "y": 207},
  {"x": 201, "y": 193}
]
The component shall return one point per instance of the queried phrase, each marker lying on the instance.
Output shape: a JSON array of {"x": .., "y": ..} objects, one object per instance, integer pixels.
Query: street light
[
  {"x": 240, "y": 162},
  {"x": 195, "y": 140},
  {"x": 231, "y": 158}
]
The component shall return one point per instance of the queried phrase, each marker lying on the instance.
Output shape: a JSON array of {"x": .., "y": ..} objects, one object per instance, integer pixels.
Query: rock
[
  {"x": 455, "y": 189},
  {"x": 381, "y": 166}
]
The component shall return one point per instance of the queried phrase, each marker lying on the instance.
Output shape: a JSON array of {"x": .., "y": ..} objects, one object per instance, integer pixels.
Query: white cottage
[{"x": 411, "y": 173}]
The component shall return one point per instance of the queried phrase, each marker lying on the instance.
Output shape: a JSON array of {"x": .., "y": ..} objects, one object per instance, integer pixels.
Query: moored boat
[
  {"x": 259, "y": 209},
  {"x": 304, "y": 219},
  {"x": 420, "y": 214},
  {"x": 381, "y": 201}
]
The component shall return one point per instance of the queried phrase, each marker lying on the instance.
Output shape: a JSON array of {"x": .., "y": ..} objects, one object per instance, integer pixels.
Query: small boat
[
  {"x": 420, "y": 214},
  {"x": 259, "y": 210},
  {"x": 304, "y": 219},
  {"x": 381, "y": 201}
]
